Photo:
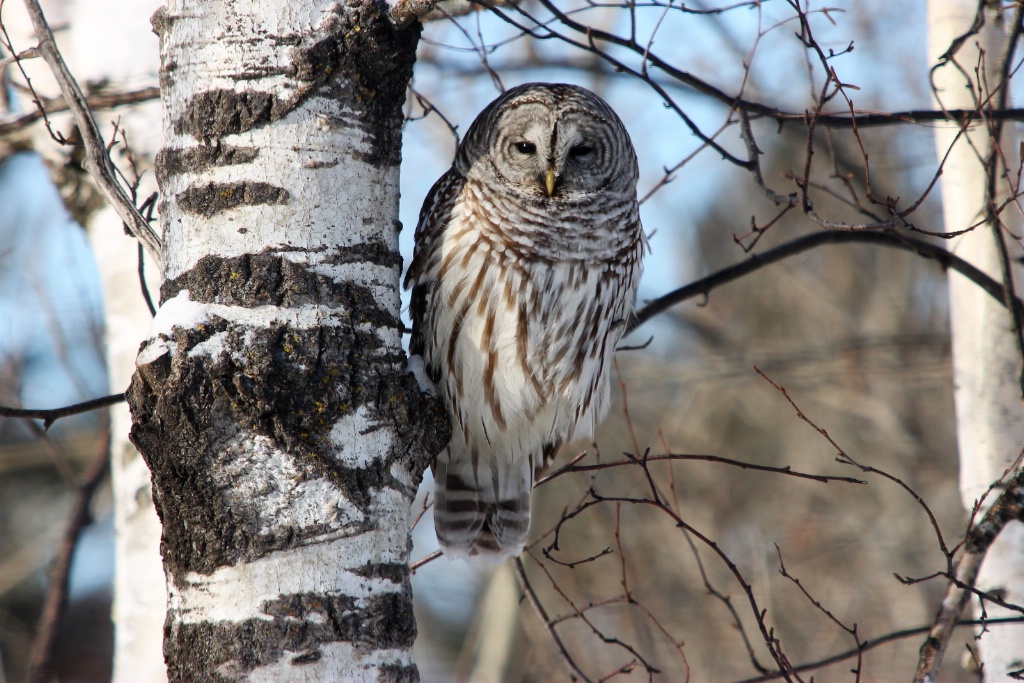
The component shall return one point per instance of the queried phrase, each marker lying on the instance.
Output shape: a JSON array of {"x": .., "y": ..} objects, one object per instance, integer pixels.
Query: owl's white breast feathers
[{"x": 523, "y": 338}]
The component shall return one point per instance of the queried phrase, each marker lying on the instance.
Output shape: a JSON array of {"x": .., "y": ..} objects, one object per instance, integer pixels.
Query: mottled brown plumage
[{"x": 528, "y": 253}]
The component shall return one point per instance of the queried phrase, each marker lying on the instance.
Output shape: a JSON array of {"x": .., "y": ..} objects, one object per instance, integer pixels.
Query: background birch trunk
[
  {"x": 271, "y": 400},
  {"x": 139, "y": 595},
  {"x": 986, "y": 356},
  {"x": 139, "y": 604}
]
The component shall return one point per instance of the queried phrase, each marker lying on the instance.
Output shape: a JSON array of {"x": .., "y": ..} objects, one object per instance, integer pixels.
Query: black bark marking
[
  {"x": 307, "y": 658},
  {"x": 298, "y": 623},
  {"x": 365, "y": 64},
  {"x": 398, "y": 673},
  {"x": 381, "y": 621},
  {"x": 395, "y": 573},
  {"x": 269, "y": 279},
  {"x": 212, "y": 198},
  {"x": 290, "y": 386},
  {"x": 216, "y": 113},
  {"x": 170, "y": 162}
]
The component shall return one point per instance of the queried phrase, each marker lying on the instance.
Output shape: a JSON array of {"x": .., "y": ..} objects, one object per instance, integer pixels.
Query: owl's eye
[
  {"x": 577, "y": 151},
  {"x": 525, "y": 147}
]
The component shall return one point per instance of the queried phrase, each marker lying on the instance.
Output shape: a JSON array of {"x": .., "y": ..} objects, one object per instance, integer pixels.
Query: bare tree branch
[
  {"x": 670, "y": 457},
  {"x": 51, "y": 415},
  {"x": 840, "y": 120},
  {"x": 98, "y": 101},
  {"x": 755, "y": 109},
  {"x": 97, "y": 160},
  {"x": 705, "y": 285},
  {"x": 872, "y": 643},
  {"x": 1009, "y": 506}
]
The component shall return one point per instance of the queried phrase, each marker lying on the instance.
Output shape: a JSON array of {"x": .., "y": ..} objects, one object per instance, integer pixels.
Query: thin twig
[
  {"x": 574, "y": 467},
  {"x": 852, "y": 630},
  {"x": 51, "y": 415},
  {"x": 534, "y": 601},
  {"x": 580, "y": 613},
  {"x": 148, "y": 207},
  {"x": 413, "y": 566}
]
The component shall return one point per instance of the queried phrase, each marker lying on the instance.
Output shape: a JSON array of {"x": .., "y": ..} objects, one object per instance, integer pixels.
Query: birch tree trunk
[
  {"x": 986, "y": 358},
  {"x": 271, "y": 401}
]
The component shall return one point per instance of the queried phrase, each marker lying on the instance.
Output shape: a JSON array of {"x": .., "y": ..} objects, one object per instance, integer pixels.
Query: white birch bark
[
  {"x": 271, "y": 401},
  {"x": 986, "y": 360}
]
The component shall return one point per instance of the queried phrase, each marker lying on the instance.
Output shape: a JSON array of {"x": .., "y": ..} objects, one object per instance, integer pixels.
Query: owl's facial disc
[{"x": 552, "y": 154}]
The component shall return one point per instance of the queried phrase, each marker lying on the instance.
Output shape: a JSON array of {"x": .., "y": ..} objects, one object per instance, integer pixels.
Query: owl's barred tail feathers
[{"x": 472, "y": 522}]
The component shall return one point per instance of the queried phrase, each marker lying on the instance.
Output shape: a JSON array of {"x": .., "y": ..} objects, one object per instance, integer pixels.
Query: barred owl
[{"x": 528, "y": 252}]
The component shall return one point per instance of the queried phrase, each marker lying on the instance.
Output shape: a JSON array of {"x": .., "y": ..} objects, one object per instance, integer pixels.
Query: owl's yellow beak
[{"x": 549, "y": 181}]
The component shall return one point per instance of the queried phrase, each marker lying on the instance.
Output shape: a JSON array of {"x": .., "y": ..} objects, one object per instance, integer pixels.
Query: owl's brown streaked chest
[{"x": 534, "y": 322}]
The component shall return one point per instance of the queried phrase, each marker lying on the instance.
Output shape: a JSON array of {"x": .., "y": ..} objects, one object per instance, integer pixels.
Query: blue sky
[{"x": 887, "y": 64}]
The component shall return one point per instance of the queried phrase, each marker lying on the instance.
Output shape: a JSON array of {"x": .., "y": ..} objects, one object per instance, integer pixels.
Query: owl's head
[{"x": 550, "y": 140}]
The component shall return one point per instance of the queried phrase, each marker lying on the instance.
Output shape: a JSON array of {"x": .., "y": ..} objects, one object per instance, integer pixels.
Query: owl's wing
[{"x": 426, "y": 259}]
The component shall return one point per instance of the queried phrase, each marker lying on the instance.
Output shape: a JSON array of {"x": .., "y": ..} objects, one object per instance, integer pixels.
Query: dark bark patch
[
  {"x": 382, "y": 621},
  {"x": 398, "y": 673},
  {"x": 224, "y": 651},
  {"x": 171, "y": 162},
  {"x": 270, "y": 279},
  {"x": 393, "y": 572},
  {"x": 365, "y": 63},
  {"x": 216, "y": 113},
  {"x": 290, "y": 385},
  {"x": 212, "y": 198}
]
